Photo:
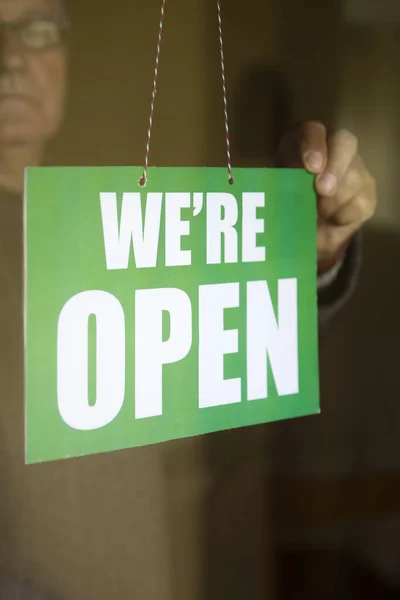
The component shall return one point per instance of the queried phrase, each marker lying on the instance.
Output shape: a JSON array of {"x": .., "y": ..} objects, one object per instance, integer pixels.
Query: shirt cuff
[{"x": 327, "y": 278}]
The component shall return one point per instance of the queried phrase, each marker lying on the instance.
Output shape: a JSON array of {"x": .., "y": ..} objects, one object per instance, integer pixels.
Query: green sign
[{"x": 178, "y": 309}]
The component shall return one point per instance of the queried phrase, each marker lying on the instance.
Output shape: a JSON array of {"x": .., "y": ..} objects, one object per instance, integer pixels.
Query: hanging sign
[{"x": 153, "y": 313}]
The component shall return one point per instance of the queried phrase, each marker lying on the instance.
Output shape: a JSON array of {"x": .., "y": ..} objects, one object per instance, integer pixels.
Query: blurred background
[{"x": 303, "y": 509}]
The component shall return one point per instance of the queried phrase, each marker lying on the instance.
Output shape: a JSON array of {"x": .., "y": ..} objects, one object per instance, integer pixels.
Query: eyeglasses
[{"x": 37, "y": 34}]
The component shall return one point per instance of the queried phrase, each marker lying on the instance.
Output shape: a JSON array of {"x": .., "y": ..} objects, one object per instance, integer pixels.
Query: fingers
[
  {"x": 350, "y": 184},
  {"x": 305, "y": 146},
  {"x": 360, "y": 209},
  {"x": 342, "y": 150},
  {"x": 357, "y": 189},
  {"x": 309, "y": 146},
  {"x": 334, "y": 232},
  {"x": 345, "y": 190},
  {"x": 357, "y": 204}
]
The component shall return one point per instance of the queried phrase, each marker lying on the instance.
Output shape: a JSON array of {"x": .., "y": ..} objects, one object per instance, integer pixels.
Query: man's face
[{"x": 32, "y": 71}]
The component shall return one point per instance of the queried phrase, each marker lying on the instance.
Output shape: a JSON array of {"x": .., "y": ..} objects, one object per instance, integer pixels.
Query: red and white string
[
  {"x": 143, "y": 179},
  {"x": 221, "y": 43}
]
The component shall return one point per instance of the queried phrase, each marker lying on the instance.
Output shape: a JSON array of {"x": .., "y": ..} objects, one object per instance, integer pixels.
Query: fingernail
[
  {"x": 314, "y": 160},
  {"x": 327, "y": 182}
]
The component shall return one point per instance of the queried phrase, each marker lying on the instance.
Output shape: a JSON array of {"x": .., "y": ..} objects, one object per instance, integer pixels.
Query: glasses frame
[{"x": 16, "y": 27}]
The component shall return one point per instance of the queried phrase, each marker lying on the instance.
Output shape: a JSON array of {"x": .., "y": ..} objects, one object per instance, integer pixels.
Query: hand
[{"x": 345, "y": 190}]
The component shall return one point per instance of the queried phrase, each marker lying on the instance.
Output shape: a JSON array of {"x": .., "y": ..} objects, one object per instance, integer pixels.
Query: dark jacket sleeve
[{"x": 335, "y": 296}]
